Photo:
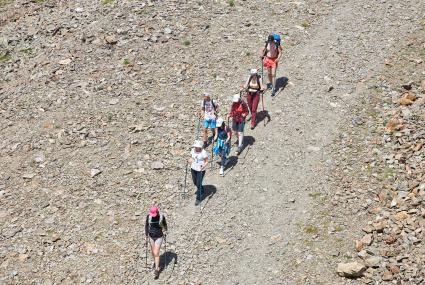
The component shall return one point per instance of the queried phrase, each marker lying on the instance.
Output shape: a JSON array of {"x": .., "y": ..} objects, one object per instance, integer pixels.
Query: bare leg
[{"x": 270, "y": 74}]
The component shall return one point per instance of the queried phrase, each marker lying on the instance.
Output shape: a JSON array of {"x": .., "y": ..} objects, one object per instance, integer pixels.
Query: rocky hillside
[{"x": 99, "y": 104}]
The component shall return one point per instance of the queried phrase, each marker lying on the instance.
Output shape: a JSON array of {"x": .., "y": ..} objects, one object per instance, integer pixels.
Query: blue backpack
[{"x": 276, "y": 38}]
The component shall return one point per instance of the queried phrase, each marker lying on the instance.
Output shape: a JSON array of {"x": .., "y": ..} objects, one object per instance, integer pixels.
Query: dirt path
[
  {"x": 247, "y": 232},
  {"x": 95, "y": 92}
]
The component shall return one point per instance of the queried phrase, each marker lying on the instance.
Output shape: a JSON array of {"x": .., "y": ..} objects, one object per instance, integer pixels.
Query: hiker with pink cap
[
  {"x": 199, "y": 162},
  {"x": 155, "y": 231}
]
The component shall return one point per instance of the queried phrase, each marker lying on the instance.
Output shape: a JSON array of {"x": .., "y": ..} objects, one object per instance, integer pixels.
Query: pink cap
[{"x": 153, "y": 212}]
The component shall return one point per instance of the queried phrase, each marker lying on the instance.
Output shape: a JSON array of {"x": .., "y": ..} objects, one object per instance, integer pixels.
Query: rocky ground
[{"x": 99, "y": 103}]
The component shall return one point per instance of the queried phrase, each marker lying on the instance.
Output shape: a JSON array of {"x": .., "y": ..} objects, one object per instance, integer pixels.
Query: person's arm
[
  {"x": 202, "y": 109},
  {"x": 147, "y": 226},
  {"x": 205, "y": 162},
  {"x": 245, "y": 110},
  {"x": 229, "y": 134},
  {"x": 262, "y": 87},
  {"x": 280, "y": 53}
]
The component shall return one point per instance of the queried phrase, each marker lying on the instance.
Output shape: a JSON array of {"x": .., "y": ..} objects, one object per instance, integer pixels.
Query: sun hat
[
  {"x": 254, "y": 71},
  {"x": 153, "y": 211},
  {"x": 236, "y": 98},
  {"x": 220, "y": 122},
  {"x": 197, "y": 143},
  {"x": 206, "y": 94}
]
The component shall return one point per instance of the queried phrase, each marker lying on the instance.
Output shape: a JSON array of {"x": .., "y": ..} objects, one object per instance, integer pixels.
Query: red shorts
[{"x": 270, "y": 62}]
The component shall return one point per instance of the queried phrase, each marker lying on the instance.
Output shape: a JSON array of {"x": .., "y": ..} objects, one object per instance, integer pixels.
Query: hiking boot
[
  {"x": 197, "y": 202},
  {"x": 222, "y": 171},
  {"x": 156, "y": 274},
  {"x": 269, "y": 86},
  {"x": 239, "y": 150}
]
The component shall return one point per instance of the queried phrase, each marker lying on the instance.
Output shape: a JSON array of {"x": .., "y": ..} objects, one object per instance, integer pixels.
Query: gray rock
[
  {"x": 94, "y": 172},
  {"x": 157, "y": 165},
  {"x": 351, "y": 270}
]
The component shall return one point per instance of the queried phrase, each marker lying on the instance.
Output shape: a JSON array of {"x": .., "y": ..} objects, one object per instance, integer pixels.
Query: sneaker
[
  {"x": 221, "y": 171},
  {"x": 269, "y": 86},
  {"x": 197, "y": 202},
  {"x": 273, "y": 93},
  {"x": 156, "y": 275}
]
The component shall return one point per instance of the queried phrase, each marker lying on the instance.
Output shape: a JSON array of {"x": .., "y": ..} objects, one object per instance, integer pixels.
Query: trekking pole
[
  {"x": 212, "y": 156},
  {"x": 185, "y": 179},
  {"x": 262, "y": 102},
  {"x": 198, "y": 128},
  {"x": 200, "y": 192},
  {"x": 146, "y": 256},
  {"x": 166, "y": 253}
]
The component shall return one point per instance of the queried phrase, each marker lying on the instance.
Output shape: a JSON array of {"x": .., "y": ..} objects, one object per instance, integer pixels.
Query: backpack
[
  {"x": 276, "y": 41},
  {"x": 213, "y": 104},
  {"x": 161, "y": 219},
  {"x": 277, "y": 38}
]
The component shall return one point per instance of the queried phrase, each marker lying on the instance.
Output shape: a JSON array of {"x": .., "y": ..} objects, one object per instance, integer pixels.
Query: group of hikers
[{"x": 244, "y": 104}]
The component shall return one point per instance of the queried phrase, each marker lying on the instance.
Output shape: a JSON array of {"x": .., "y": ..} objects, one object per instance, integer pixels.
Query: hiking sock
[{"x": 240, "y": 140}]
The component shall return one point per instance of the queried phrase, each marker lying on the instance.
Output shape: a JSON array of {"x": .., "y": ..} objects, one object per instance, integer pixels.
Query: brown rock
[
  {"x": 367, "y": 239},
  {"x": 368, "y": 229},
  {"x": 400, "y": 216},
  {"x": 405, "y": 102},
  {"x": 359, "y": 246},
  {"x": 388, "y": 276},
  {"x": 351, "y": 270},
  {"x": 392, "y": 238},
  {"x": 418, "y": 146},
  {"x": 380, "y": 226},
  {"x": 111, "y": 39},
  {"x": 394, "y": 269},
  {"x": 410, "y": 96}
]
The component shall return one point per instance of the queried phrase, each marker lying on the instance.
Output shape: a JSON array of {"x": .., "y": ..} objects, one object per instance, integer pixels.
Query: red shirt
[{"x": 238, "y": 110}]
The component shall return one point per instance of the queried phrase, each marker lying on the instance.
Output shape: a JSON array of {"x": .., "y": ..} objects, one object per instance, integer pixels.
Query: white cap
[
  {"x": 254, "y": 71},
  {"x": 220, "y": 122},
  {"x": 197, "y": 143},
  {"x": 236, "y": 98},
  {"x": 206, "y": 94}
]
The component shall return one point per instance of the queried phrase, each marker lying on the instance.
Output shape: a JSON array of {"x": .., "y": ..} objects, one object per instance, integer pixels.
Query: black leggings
[{"x": 197, "y": 178}]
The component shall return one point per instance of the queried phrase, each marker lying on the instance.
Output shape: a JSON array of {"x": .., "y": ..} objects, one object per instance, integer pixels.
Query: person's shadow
[
  {"x": 166, "y": 259},
  {"x": 208, "y": 191},
  {"x": 281, "y": 83}
]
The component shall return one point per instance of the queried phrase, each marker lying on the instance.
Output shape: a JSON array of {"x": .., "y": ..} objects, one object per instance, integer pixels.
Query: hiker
[
  {"x": 222, "y": 146},
  {"x": 155, "y": 231},
  {"x": 238, "y": 113},
  {"x": 208, "y": 114},
  {"x": 253, "y": 86},
  {"x": 270, "y": 55},
  {"x": 199, "y": 162}
]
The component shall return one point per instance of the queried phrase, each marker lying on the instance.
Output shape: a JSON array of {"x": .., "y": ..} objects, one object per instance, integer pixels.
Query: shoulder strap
[
  {"x": 212, "y": 102},
  {"x": 265, "y": 48},
  {"x": 258, "y": 82}
]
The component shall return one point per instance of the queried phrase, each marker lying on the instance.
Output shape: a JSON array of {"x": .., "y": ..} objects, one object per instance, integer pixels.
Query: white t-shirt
[
  {"x": 209, "y": 109},
  {"x": 198, "y": 159}
]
